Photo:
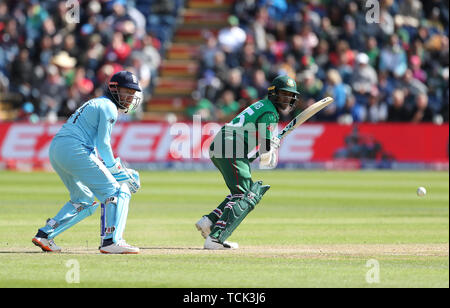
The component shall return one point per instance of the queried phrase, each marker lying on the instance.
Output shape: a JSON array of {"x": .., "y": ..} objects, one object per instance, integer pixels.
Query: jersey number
[
  {"x": 241, "y": 116},
  {"x": 79, "y": 111}
]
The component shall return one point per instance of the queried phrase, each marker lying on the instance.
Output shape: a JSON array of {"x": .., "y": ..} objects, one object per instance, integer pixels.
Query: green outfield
[{"x": 311, "y": 229}]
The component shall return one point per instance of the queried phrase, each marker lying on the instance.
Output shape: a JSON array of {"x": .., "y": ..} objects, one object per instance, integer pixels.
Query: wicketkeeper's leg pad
[
  {"x": 236, "y": 210},
  {"x": 70, "y": 214},
  {"x": 116, "y": 212}
]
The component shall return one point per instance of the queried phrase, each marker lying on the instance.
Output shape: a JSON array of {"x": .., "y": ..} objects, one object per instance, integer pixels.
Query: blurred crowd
[
  {"x": 56, "y": 54},
  {"x": 386, "y": 65}
]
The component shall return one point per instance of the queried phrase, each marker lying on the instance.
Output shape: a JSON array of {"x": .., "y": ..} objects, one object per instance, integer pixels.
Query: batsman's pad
[
  {"x": 237, "y": 209},
  {"x": 116, "y": 212},
  {"x": 68, "y": 216}
]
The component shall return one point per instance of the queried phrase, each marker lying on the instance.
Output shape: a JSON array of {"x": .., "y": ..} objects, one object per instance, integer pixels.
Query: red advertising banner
[{"x": 143, "y": 142}]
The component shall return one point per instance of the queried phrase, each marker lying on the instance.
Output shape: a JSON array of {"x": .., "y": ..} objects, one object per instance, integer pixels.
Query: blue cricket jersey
[{"x": 91, "y": 124}]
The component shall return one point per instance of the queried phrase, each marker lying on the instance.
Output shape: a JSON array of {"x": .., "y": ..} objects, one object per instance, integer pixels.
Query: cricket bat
[{"x": 305, "y": 115}]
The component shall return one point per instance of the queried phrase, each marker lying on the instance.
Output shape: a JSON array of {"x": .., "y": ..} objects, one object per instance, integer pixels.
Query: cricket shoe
[
  {"x": 119, "y": 248},
  {"x": 214, "y": 244},
  {"x": 204, "y": 226},
  {"x": 47, "y": 245}
]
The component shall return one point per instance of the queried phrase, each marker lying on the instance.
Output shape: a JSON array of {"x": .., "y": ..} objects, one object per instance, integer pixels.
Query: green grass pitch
[{"x": 311, "y": 229}]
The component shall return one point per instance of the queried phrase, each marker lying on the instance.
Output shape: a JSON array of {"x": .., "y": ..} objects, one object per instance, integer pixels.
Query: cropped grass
[{"x": 311, "y": 229}]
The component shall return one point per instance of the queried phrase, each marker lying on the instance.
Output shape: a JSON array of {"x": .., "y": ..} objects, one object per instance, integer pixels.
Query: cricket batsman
[
  {"x": 73, "y": 156},
  {"x": 252, "y": 128}
]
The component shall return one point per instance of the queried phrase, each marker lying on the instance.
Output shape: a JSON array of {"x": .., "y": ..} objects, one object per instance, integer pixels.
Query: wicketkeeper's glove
[{"x": 124, "y": 175}]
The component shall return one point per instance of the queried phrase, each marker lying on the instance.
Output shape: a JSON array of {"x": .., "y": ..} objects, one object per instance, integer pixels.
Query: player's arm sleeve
[
  {"x": 269, "y": 122},
  {"x": 107, "y": 118}
]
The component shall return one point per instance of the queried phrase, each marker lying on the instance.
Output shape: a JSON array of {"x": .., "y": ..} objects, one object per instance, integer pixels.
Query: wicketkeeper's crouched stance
[
  {"x": 229, "y": 152},
  {"x": 73, "y": 156}
]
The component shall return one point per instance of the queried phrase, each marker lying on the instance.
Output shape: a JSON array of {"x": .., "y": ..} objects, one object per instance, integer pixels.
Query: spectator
[
  {"x": 351, "y": 112},
  {"x": 234, "y": 81},
  {"x": 310, "y": 86},
  {"x": 203, "y": 108},
  {"x": 248, "y": 96},
  {"x": 364, "y": 77},
  {"x": 66, "y": 66},
  {"x": 393, "y": 57},
  {"x": 258, "y": 28},
  {"x": 411, "y": 86},
  {"x": 247, "y": 60},
  {"x": 343, "y": 60},
  {"x": 52, "y": 93},
  {"x": 70, "y": 46},
  {"x": 386, "y": 22},
  {"x": 295, "y": 47},
  {"x": 335, "y": 88},
  {"x": 231, "y": 39},
  {"x": 350, "y": 34},
  {"x": 208, "y": 53},
  {"x": 421, "y": 111},
  {"x": 220, "y": 68},
  {"x": 417, "y": 72},
  {"x": 93, "y": 56},
  {"x": 20, "y": 76},
  {"x": 259, "y": 82},
  {"x": 372, "y": 51},
  {"x": 398, "y": 112},
  {"x": 143, "y": 71},
  {"x": 119, "y": 47},
  {"x": 46, "y": 51},
  {"x": 385, "y": 87},
  {"x": 227, "y": 107},
  {"x": 309, "y": 39},
  {"x": 245, "y": 10},
  {"x": 410, "y": 12},
  {"x": 327, "y": 31},
  {"x": 321, "y": 56},
  {"x": 377, "y": 110},
  {"x": 209, "y": 86},
  {"x": 83, "y": 84}
]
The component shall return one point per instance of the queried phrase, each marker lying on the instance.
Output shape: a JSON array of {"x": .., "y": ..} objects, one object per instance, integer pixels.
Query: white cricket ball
[{"x": 421, "y": 191}]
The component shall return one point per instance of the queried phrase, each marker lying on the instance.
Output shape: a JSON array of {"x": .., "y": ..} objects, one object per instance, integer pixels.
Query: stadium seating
[{"x": 178, "y": 71}]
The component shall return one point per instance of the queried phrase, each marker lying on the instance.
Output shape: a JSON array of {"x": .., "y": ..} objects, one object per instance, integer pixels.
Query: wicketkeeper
[
  {"x": 73, "y": 156},
  {"x": 254, "y": 127}
]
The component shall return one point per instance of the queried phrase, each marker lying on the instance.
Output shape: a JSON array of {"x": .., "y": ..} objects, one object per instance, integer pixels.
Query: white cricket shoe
[
  {"x": 119, "y": 248},
  {"x": 204, "y": 226},
  {"x": 213, "y": 244},
  {"x": 47, "y": 245}
]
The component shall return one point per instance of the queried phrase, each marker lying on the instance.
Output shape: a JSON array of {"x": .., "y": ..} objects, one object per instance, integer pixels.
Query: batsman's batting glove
[
  {"x": 124, "y": 175},
  {"x": 275, "y": 143},
  {"x": 269, "y": 160}
]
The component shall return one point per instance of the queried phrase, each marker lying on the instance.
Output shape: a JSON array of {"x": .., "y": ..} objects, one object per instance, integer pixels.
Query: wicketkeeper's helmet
[{"x": 128, "y": 80}]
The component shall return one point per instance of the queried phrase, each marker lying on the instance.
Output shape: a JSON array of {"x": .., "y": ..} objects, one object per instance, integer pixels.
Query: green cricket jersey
[{"x": 242, "y": 134}]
